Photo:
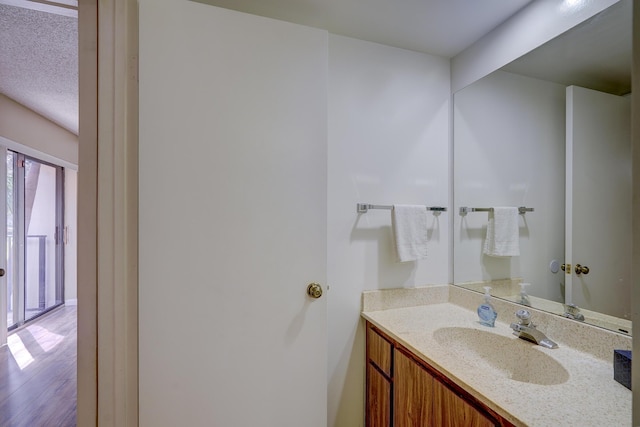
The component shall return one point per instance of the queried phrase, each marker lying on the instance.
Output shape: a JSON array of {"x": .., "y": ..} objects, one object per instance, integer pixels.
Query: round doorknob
[
  {"x": 2, "y": 272},
  {"x": 314, "y": 290},
  {"x": 582, "y": 269}
]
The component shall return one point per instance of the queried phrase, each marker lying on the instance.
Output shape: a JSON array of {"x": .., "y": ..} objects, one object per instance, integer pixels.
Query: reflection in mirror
[{"x": 550, "y": 131}]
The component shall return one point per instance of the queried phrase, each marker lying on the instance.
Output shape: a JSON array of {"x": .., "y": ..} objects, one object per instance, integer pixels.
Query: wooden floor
[{"x": 38, "y": 373}]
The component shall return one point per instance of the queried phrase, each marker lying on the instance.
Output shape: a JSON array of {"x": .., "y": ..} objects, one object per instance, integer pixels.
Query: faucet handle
[
  {"x": 572, "y": 308},
  {"x": 524, "y": 317},
  {"x": 572, "y": 311}
]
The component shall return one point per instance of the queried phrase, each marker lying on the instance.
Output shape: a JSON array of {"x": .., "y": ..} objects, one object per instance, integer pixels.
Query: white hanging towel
[
  {"x": 502, "y": 233},
  {"x": 409, "y": 224}
]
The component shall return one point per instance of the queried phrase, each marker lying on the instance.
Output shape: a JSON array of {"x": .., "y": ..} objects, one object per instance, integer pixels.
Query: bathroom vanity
[
  {"x": 430, "y": 363},
  {"x": 422, "y": 396}
]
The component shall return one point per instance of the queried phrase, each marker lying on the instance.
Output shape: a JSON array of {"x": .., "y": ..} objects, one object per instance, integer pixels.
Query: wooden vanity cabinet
[{"x": 404, "y": 391}]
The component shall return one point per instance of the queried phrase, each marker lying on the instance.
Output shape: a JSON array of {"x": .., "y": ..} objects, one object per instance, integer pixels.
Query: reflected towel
[
  {"x": 502, "y": 233},
  {"x": 409, "y": 224}
]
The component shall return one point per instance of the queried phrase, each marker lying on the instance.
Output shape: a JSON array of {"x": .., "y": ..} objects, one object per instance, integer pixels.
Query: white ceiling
[
  {"x": 595, "y": 54},
  {"x": 438, "y": 27},
  {"x": 38, "y": 50}
]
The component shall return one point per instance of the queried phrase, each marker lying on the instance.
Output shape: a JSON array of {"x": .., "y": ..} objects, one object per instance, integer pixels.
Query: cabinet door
[
  {"x": 379, "y": 351},
  {"x": 450, "y": 410},
  {"x": 378, "y": 398},
  {"x": 413, "y": 394}
]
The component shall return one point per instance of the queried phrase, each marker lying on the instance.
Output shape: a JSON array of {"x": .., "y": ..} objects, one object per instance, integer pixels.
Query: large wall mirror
[{"x": 551, "y": 132}]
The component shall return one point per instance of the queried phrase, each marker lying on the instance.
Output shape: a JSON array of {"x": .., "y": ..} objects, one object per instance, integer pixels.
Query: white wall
[
  {"x": 388, "y": 143},
  {"x": 20, "y": 125},
  {"x": 71, "y": 246},
  {"x": 509, "y": 150}
]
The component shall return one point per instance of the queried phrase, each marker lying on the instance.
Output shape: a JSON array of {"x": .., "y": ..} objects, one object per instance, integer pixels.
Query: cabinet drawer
[{"x": 379, "y": 350}]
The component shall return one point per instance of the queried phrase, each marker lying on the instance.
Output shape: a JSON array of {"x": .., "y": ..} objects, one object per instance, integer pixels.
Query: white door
[
  {"x": 599, "y": 200},
  {"x": 233, "y": 131}
]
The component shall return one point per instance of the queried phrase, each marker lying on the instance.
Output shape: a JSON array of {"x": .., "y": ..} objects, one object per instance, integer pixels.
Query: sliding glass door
[
  {"x": 34, "y": 237},
  {"x": 12, "y": 314}
]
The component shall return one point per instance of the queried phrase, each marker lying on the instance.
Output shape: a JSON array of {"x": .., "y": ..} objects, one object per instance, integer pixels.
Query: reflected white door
[
  {"x": 232, "y": 218},
  {"x": 599, "y": 200}
]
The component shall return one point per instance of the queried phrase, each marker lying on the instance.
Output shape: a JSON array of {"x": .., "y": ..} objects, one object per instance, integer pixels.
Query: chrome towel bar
[
  {"x": 364, "y": 207},
  {"x": 465, "y": 210}
]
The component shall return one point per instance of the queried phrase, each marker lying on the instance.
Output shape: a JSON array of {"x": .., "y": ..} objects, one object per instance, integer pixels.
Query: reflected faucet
[
  {"x": 572, "y": 311},
  {"x": 526, "y": 330}
]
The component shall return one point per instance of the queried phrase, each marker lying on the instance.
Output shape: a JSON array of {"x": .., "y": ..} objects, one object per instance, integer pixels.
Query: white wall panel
[{"x": 388, "y": 143}]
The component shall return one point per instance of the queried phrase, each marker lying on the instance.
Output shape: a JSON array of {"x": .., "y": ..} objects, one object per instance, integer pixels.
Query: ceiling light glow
[{"x": 573, "y": 3}]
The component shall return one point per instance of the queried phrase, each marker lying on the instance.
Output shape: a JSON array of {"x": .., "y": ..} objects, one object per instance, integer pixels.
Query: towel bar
[
  {"x": 465, "y": 210},
  {"x": 364, "y": 207}
]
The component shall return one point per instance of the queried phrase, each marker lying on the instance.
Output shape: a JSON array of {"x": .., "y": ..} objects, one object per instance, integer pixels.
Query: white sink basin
[{"x": 513, "y": 358}]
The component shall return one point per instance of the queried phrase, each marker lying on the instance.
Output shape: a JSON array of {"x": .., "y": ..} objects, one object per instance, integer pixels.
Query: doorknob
[
  {"x": 566, "y": 268},
  {"x": 314, "y": 290},
  {"x": 582, "y": 269},
  {"x": 2, "y": 272}
]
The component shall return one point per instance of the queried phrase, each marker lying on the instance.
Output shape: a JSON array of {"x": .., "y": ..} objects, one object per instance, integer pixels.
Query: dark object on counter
[{"x": 622, "y": 367}]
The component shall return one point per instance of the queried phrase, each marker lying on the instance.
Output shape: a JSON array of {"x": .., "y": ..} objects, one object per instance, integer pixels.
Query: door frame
[{"x": 108, "y": 196}]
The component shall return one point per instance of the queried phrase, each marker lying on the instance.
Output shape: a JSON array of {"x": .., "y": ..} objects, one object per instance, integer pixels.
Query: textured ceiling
[{"x": 39, "y": 63}]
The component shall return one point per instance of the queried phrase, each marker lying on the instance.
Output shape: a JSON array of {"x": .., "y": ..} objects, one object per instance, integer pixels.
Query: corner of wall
[{"x": 27, "y": 128}]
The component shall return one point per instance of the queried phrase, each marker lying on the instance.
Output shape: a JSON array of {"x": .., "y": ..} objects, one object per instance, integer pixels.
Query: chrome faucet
[
  {"x": 526, "y": 330},
  {"x": 573, "y": 312}
]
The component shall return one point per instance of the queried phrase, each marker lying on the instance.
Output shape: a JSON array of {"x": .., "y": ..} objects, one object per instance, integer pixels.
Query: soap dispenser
[
  {"x": 524, "y": 298},
  {"x": 486, "y": 312}
]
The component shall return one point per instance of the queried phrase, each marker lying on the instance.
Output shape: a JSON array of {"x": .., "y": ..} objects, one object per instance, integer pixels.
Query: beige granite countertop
[{"x": 589, "y": 396}]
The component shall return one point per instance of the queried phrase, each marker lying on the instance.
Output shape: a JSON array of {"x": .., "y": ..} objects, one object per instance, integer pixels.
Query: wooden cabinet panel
[
  {"x": 379, "y": 350},
  {"x": 450, "y": 410},
  {"x": 413, "y": 393},
  {"x": 405, "y": 391},
  {"x": 378, "y": 398}
]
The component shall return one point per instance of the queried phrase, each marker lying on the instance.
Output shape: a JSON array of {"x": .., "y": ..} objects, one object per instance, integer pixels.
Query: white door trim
[
  {"x": 3, "y": 254},
  {"x": 107, "y": 195}
]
